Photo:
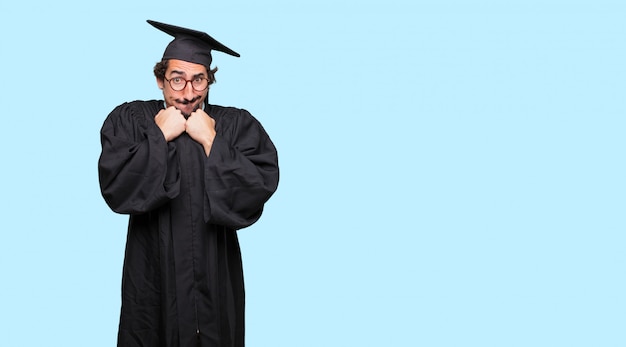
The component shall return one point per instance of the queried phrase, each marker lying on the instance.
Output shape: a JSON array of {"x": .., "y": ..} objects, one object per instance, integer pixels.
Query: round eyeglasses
[{"x": 197, "y": 83}]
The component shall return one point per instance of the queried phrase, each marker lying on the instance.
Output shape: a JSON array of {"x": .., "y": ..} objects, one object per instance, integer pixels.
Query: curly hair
[{"x": 161, "y": 67}]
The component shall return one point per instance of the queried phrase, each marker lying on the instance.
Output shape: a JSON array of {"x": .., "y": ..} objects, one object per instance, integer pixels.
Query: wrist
[{"x": 207, "y": 145}]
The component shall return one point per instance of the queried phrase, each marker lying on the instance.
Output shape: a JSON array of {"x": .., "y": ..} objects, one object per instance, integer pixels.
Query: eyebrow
[{"x": 201, "y": 74}]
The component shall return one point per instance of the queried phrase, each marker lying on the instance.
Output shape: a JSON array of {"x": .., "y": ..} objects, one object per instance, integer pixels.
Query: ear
[{"x": 159, "y": 83}]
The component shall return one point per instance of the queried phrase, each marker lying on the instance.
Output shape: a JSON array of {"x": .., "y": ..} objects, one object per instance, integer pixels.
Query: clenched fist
[
  {"x": 201, "y": 127},
  {"x": 171, "y": 122}
]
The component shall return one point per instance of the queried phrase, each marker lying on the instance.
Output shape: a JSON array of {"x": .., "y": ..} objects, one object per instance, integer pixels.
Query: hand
[
  {"x": 201, "y": 127},
  {"x": 171, "y": 122}
]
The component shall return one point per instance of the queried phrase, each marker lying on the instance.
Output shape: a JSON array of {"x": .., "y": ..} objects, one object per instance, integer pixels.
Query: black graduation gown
[{"x": 182, "y": 281}]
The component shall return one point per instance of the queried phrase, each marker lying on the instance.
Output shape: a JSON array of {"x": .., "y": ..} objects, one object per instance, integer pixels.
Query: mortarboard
[{"x": 190, "y": 45}]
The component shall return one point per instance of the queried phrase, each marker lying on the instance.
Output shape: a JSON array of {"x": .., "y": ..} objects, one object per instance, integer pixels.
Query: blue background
[{"x": 452, "y": 171}]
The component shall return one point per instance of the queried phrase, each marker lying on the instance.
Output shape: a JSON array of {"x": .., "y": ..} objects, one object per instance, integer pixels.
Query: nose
[{"x": 188, "y": 92}]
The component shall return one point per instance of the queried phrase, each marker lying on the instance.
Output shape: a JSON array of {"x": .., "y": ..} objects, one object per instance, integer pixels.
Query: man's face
[{"x": 188, "y": 99}]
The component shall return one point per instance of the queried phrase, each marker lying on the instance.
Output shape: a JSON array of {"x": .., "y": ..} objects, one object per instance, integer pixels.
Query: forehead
[{"x": 185, "y": 67}]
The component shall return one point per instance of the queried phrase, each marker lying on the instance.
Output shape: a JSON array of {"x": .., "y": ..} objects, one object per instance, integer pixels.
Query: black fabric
[{"x": 182, "y": 280}]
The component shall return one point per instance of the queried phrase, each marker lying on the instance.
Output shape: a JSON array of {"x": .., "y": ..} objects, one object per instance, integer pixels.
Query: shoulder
[
  {"x": 133, "y": 115},
  {"x": 137, "y": 108},
  {"x": 230, "y": 117},
  {"x": 240, "y": 128},
  {"x": 227, "y": 111}
]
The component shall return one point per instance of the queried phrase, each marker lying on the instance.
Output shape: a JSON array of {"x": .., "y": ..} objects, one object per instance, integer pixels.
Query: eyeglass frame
[{"x": 187, "y": 81}]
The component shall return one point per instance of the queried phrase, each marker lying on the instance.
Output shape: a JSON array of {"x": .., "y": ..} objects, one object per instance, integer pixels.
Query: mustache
[{"x": 187, "y": 101}]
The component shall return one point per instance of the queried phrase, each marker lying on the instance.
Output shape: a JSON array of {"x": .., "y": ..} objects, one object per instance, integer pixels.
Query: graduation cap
[{"x": 190, "y": 45}]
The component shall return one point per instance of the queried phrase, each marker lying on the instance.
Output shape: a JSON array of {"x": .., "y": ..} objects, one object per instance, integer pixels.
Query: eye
[
  {"x": 177, "y": 80},
  {"x": 198, "y": 79}
]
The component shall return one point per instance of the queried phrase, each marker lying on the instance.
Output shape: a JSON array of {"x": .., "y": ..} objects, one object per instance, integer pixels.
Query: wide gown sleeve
[
  {"x": 138, "y": 169},
  {"x": 241, "y": 172}
]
